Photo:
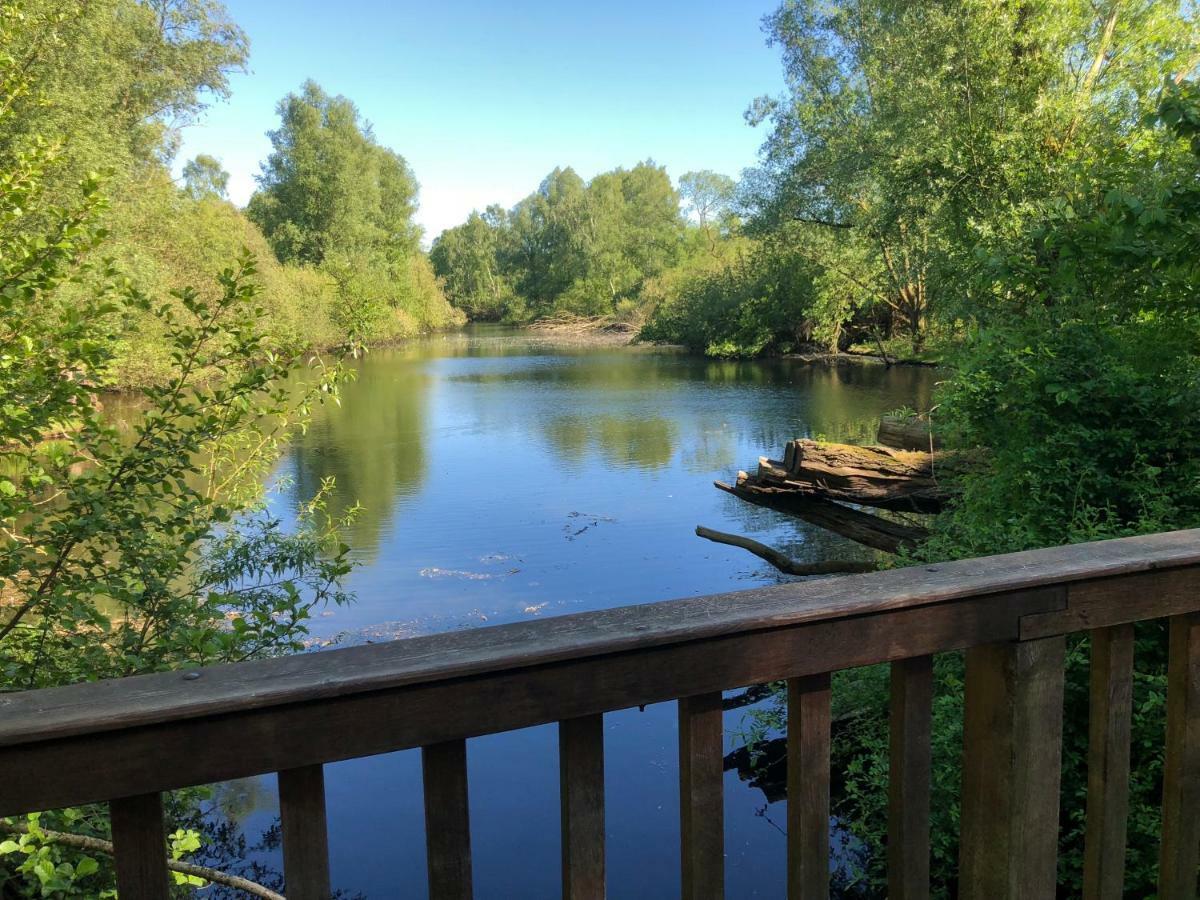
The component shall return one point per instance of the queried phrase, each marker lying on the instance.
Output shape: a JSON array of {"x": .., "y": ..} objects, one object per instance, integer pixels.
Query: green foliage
[
  {"x": 570, "y": 247},
  {"x": 128, "y": 553},
  {"x": 708, "y": 196},
  {"x": 46, "y": 869},
  {"x": 744, "y": 298},
  {"x": 133, "y": 551},
  {"x": 465, "y": 258},
  {"x": 328, "y": 186},
  {"x": 117, "y": 76},
  {"x": 204, "y": 177},
  {"x": 910, "y": 134},
  {"x": 332, "y": 198}
]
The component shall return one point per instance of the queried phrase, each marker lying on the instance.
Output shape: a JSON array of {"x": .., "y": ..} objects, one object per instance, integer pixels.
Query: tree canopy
[
  {"x": 584, "y": 248},
  {"x": 329, "y": 187}
]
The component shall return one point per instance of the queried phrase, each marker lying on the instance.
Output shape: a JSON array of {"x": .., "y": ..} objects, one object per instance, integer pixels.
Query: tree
[
  {"x": 708, "y": 196},
  {"x": 575, "y": 247},
  {"x": 118, "y": 76},
  {"x": 328, "y": 187},
  {"x": 465, "y": 258},
  {"x": 204, "y": 177},
  {"x": 911, "y": 132},
  {"x": 331, "y": 196}
]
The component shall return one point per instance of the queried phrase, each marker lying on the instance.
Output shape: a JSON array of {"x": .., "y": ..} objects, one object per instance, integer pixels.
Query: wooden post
[
  {"x": 305, "y": 834},
  {"x": 447, "y": 820},
  {"x": 1179, "y": 856},
  {"x": 140, "y": 847},
  {"x": 581, "y": 795},
  {"x": 1109, "y": 716},
  {"x": 1012, "y": 768},
  {"x": 701, "y": 797},
  {"x": 910, "y": 724},
  {"x": 808, "y": 787}
]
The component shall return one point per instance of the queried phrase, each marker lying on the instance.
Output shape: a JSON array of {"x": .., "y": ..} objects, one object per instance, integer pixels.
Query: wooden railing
[{"x": 127, "y": 741}]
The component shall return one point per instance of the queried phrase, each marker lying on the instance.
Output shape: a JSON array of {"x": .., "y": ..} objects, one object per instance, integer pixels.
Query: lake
[{"x": 505, "y": 476}]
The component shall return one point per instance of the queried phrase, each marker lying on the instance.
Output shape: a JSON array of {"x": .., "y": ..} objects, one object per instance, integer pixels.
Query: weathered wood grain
[
  {"x": 907, "y": 433},
  {"x": 1110, "y": 711},
  {"x": 1012, "y": 766},
  {"x": 305, "y": 833},
  {"x": 581, "y": 796},
  {"x": 861, "y": 527},
  {"x": 874, "y": 476},
  {"x": 808, "y": 787},
  {"x": 910, "y": 724},
  {"x": 1179, "y": 855},
  {"x": 1099, "y": 603},
  {"x": 701, "y": 797},
  {"x": 140, "y": 847},
  {"x": 171, "y": 697},
  {"x": 86, "y": 768},
  {"x": 447, "y": 820}
]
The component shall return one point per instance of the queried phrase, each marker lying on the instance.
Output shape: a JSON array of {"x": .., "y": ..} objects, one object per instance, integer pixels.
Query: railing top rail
[{"x": 171, "y": 697}]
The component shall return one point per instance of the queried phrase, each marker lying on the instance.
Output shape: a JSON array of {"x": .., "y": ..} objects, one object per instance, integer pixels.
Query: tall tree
[
  {"x": 204, "y": 176},
  {"x": 913, "y": 130},
  {"x": 465, "y": 257},
  {"x": 118, "y": 76},
  {"x": 328, "y": 186},
  {"x": 708, "y": 196}
]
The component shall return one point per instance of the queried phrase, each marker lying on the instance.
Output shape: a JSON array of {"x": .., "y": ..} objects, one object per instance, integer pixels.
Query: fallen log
[
  {"x": 908, "y": 433},
  {"x": 899, "y": 480},
  {"x": 782, "y": 561},
  {"x": 861, "y": 527}
]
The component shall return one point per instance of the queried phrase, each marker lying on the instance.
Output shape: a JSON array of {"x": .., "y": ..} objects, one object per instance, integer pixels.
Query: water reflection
[{"x": 505, "y": 477}]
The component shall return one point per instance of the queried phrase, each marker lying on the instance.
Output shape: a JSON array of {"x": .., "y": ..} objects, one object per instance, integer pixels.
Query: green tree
[
  {"x": 331, "y": 196},
  {"x": 204, "y": 177},
  {"x": 119, "y": 76},
  {"x": 465, "y": 257},
  {"x": 574, "y": 247},
  {"x": 708, "y": 196},
  {"x": 328, "y": 187},
  {"x": 914, "y": 132}
]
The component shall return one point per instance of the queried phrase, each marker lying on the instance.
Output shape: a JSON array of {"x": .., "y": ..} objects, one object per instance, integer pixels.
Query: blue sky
[{"x": 484, "y": 99}]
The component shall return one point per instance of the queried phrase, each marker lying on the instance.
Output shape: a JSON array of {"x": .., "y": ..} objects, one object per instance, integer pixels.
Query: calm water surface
[{"x": 504, "y": 477}]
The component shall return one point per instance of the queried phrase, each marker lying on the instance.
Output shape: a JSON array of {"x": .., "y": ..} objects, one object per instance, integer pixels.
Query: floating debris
[
  {"x": 573, "y": 530},
  {"x": 435, "y": 572}
]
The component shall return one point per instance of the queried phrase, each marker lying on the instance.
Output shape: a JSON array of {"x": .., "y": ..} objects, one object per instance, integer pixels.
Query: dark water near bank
[{"x": 505, "y": 478}]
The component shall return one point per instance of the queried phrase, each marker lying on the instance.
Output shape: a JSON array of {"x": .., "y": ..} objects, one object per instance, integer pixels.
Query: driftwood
[
  {"x": 863, "y": 528},
  {"x": 825, "y": 484},
  {"x": 908, "y": 433},
  {"x": 782, "y": 561},
  {"x": 899, "y": 480}
]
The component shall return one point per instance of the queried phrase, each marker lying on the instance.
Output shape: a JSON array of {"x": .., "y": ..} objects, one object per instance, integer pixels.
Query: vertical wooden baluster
[
  {"x": 447, "y": 820},
  {"x": 1179, "y": 856},
  {"x": 808, "y": 787},
  {"x": 1110, "y": 709},
  {"x": 1012, "y": 767},
  {"x": 701, "y": 796},
  {"x": 140, "y": 847},
  {"x": 910, "y": 723},
  {"x": 581, "y": 795},
  {"x": 305, "y": 835}
]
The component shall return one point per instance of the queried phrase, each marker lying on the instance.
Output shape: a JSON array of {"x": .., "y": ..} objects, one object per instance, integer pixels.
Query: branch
[
  {"x": 96, "y": 845},
  {"x": 782, "y": 562}
]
